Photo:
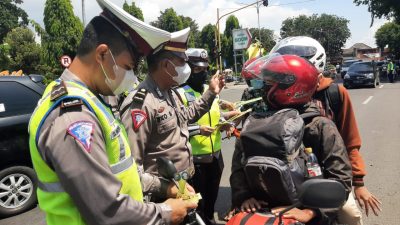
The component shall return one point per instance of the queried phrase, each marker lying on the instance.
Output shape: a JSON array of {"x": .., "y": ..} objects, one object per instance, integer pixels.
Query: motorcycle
[
  {"x": 168, "y": 171},
  {"x": 314, "y": 193}
]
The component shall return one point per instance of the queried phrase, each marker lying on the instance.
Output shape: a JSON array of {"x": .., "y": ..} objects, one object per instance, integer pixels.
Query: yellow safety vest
[
  {"x": 200, "y": 144},
  {"x": 53, "y": 200}
]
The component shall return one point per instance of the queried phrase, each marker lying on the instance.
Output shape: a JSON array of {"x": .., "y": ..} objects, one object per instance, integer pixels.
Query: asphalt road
[{"x": 377, "y": 111}]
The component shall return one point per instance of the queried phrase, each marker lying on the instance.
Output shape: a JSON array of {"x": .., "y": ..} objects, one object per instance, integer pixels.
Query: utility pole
[
  {"x": 218, "y": 34},
  {"x": 83, "y": 13}
]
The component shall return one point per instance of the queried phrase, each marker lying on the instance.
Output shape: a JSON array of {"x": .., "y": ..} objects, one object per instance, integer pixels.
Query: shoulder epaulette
[
  {"x": 139, "y": 96},
  {"x": 58, "y": 90}
]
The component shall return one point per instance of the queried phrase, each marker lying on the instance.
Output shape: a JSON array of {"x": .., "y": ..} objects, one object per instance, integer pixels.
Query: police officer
[
  {"x": 205, "y": 140},
  {"x": 80, "y": 152},
  {"x": 156, "y": 118}
]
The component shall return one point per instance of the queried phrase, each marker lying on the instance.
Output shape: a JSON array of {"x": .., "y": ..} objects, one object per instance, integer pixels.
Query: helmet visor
[{"x": 303, "y": 51}]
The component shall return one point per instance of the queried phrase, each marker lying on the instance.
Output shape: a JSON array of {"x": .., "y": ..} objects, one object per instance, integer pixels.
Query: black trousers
[
  {"x": 206, "y": 181},
  {"x": 390, "y": 75}
]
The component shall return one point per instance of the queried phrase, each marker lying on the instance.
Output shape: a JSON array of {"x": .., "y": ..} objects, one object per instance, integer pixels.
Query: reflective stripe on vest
[
  {"x": 200, "y": 144},
  {"x": 53, "y": 200}
]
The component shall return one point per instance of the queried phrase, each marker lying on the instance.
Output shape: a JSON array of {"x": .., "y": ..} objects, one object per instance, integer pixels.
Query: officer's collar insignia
[
  {"x": 82, "y": 131},
  {"x": 58, "y": 90},
  {"x": 138, "y": 118},
  {"x": 190, "y": 96}
]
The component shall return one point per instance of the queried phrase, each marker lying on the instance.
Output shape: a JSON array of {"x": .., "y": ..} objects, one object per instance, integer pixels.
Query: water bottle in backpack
[{"x": 313, "y": 168}]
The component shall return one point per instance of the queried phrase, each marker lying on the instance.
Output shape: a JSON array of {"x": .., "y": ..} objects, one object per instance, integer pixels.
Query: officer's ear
[{"x": 100, "y": 53}]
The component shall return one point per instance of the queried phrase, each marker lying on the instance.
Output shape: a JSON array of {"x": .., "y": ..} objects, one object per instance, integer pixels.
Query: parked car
[
  {"x": 362, "y": 74},
  {"x": 18, "y": 182},
  {"x": 346, "y": 64}
]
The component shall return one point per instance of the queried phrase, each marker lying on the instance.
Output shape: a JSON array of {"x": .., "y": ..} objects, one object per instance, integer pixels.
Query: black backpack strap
[{"x": 334, "y": 99}]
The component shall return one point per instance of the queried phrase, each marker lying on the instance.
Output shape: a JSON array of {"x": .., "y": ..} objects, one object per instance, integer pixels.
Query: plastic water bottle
[{"x": 313, "y": 168}]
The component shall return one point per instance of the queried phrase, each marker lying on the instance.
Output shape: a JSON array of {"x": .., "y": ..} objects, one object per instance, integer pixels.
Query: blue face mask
[{"x": 256, "y": 83}]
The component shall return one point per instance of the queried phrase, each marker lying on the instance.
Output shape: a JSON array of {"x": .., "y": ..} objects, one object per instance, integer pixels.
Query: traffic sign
[
  {"x": 65, "y": 61},
  {"x": 241, "y": 39}
]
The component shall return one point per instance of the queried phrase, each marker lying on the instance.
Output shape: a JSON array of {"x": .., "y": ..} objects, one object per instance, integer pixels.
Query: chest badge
[{"x": 138, "y": 118}]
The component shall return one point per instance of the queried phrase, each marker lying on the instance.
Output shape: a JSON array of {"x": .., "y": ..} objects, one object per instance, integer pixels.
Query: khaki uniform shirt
[
  {"x": 86, "y": 175},
  {"x": 162, "y": 133}
]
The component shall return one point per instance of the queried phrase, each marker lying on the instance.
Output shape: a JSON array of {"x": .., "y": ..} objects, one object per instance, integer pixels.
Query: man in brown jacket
[{"x": 343, "y": 116}]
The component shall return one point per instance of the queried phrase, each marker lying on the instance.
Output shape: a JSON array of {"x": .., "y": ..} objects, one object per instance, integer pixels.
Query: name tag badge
[{"x": 115, "y": 132}]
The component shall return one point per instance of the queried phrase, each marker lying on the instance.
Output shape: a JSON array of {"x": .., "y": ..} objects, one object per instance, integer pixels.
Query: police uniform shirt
[
  {"x": 157, "y": 126},
  {"x": 85, "y": 174}
]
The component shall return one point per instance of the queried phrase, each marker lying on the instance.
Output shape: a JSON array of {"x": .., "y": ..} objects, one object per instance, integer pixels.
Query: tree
[
  {"x": 330, "y": 30},
  {"x": 382, "y": 8},
  {"x": 267, "y": 37},
  {"x": 133, "y": 10},
  {"x": 207, "y": 41},
  {"x": 63, "y": 32},
  {"x": 24, "y": 52},
  {"x": 11, "y": 16},
  {"x": 169, "y": 21},
  {"x": 194, "y": 31},
  {"x": 4, "y": 56},
  {"x": 389, "y": 34},
  {"x": 231, "y": 23}
]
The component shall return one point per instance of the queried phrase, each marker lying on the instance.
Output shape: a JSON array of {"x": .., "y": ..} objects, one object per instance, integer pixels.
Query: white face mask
[
  {"x": 183, "y": 73},
  {"x": 124, "y": 79}
]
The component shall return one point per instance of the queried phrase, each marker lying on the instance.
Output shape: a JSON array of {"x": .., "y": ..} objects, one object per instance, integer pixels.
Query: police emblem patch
[
  {"x": 138, "y": 118},
  {"x": 82, "y": 132}
]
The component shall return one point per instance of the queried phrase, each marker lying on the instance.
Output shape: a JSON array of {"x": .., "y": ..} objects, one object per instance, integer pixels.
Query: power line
[{"x": 290, "y": 3}]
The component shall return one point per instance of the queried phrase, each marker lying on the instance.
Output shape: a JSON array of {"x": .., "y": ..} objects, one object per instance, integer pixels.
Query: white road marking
[
  {"x": 381, "y": 86},
  {"x": 367, "y": 100}
]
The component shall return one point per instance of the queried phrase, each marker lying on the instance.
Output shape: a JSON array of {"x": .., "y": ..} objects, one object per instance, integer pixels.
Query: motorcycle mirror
[
  {"x": 166, "y": 168},
  {"x": 322, "y": 193}
]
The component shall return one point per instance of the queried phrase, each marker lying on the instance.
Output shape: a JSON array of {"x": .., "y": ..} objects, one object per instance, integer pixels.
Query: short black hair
[
  {"x": 154, "y": 59},
  {"x": 100, "y": 31}
]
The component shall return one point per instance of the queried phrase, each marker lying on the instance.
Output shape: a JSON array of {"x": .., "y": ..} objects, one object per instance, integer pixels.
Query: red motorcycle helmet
[
  {"x": 290, "y": 80},
  {"x": 247, "y": 74}
]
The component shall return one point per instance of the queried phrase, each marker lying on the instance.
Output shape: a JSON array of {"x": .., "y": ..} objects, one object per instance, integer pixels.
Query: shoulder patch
[
  {"x": 82, "y": 131},
  {"x": 71, "y": 102},
  {"x": 58, "y": 91},
  {"x": 138, "y": 118}
]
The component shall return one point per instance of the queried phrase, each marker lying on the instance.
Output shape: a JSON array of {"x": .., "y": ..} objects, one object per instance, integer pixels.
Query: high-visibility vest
[
  {"x": 53, "y": 200},
  {"x": 203, "y": 145}
]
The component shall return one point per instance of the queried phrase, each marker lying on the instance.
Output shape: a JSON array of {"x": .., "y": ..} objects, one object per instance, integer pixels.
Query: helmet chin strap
[{"x": 270, "y": 96}]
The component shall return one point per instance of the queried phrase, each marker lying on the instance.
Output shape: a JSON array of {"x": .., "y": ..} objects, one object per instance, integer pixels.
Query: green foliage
[
  {"x": 63, "y": 32},
  {"x": 11, "y": 16},
  {"x": 207, "y": 41},
  {"x": 4, "y": 56},
  {"x": 330, "y": 30},
  {"x": 267, "y": 37},
  {"x": 389, "y": 34},
  {"x": 169, "y": 21},
  {"x": 194, "y": 36},
  {"x": 24, "y": 52},
  {"x": 231, "y": 23},
  {"x": 133, "y": 10},
  {"x": 382, "y": 8}
]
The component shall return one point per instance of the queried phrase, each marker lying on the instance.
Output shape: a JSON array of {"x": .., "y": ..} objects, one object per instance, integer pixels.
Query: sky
[{"x": 271, "y": 17}]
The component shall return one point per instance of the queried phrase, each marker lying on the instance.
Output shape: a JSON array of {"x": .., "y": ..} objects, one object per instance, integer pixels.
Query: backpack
[
  {"x": 331, "y": 99},
  {"x": 275, "y": 161}
]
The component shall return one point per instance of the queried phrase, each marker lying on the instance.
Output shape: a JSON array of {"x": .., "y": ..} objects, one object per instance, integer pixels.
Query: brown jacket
[{"x": 347, "y": 126}]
